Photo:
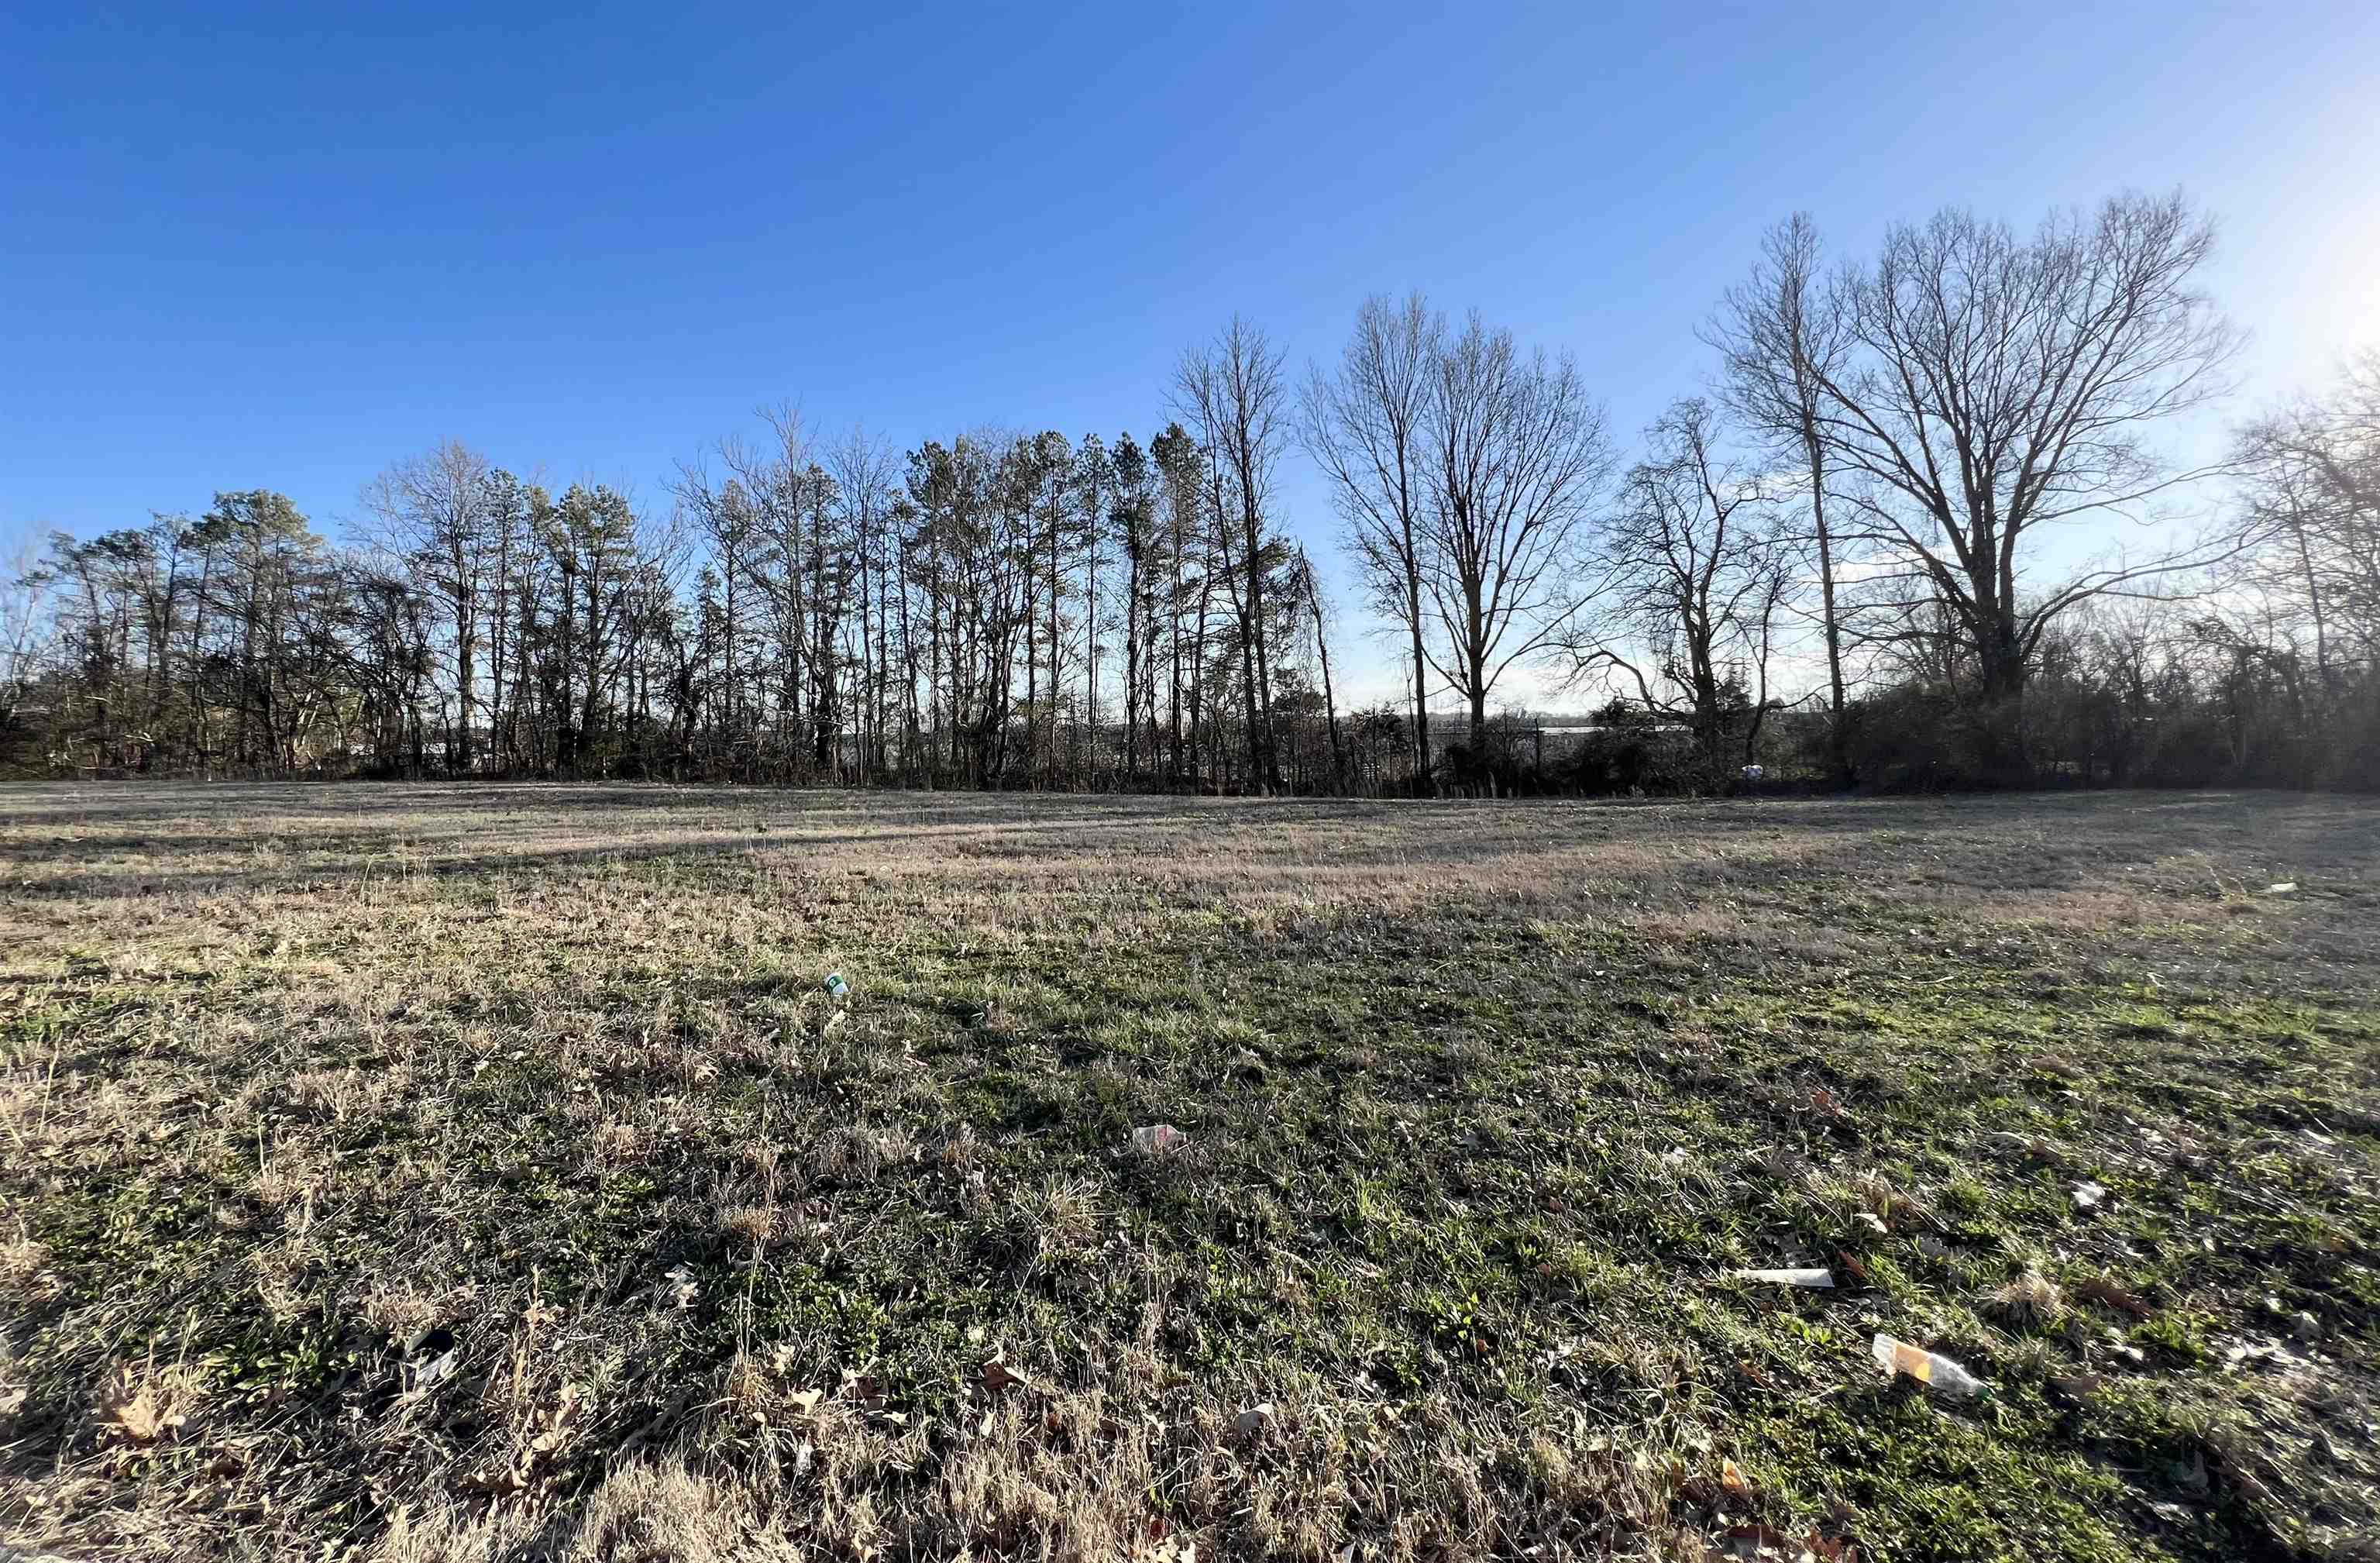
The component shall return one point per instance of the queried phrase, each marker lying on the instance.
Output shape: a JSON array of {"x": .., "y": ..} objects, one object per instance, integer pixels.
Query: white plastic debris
[
  {"x": 1816, "y": 1280},
  {"x": 1250, "y": 1422},
  {"x": 436, "y": 1371},
  {"x": 2089, "y": 1195},
  {"x": 1930, "y": 1368},
  {"x": 1157, "y": 1138},
  {"x": 2287, "y": 887}
]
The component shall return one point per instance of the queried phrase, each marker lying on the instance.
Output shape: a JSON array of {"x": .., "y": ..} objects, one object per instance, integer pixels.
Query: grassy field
[{"x": 426, "y": 1173}]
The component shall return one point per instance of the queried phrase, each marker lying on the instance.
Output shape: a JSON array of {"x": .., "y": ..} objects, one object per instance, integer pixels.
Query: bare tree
[
  {"x": 1178, "y": 467},
  {"x": 1367, "y": 427},
  {"x": 433, "y": 516},
  {"x": 1231, "y": 391},
  {"x": 725, "y": 515},
  {"x": 1093, "y": 489},
  {"x": 805, "y": 559},
  {"x": 1991, "y": 387},
  {"x": 784, "y": 485},
  {"x": 866, "y": 475},
  {"x": 1309, "y": 590},
  {"x": 1516, "y": 451},
  {"x": 1132, "y": 518},
  {"x": 26, "y": 629},
  {"x": 1695, "y": 572},
  {"x": 2312, "y": 498},
  {"x": 1784, "y": 333}
]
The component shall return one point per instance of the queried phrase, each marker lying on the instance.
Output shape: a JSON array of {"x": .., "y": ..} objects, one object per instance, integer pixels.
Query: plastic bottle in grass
[{"x": 1930, "y": 1368}]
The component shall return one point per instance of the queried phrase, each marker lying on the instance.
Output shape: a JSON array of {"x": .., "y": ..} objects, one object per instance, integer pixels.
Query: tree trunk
[
  {"x": 1329, "y": 701},
  {"x": 1839, "y": 757},
  {"x": 1421, "y": 692}
]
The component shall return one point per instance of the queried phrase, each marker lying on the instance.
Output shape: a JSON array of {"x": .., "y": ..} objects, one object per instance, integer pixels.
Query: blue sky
[{"x": 279, "y": 247}]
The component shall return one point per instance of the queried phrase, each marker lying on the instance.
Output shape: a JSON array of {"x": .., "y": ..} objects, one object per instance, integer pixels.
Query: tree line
[{"x": 1873, "y": 549}]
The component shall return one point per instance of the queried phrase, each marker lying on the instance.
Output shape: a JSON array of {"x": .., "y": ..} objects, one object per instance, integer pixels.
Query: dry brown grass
[{"x": 435, "y": 1173}]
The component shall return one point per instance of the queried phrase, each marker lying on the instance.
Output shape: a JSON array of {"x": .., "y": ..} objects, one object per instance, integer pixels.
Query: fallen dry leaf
[
  {"x": 1760, "y": 1542},
  {"x": 998, "y": 1374},
  {"x": 2079, "y": 1388},
  {"x": 138, "y": 1411},
  {"x": 2112, "y": 1294}
]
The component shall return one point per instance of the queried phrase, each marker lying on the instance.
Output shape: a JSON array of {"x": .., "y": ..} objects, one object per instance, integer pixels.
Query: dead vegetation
[{"x": 447, "y": 1173}]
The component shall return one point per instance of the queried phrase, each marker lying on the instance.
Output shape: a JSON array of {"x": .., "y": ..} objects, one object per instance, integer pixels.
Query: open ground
[{"x": 455, "y": 1173}]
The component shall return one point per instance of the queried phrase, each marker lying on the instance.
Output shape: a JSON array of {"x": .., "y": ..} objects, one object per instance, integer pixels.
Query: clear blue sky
[{"x": 251, "y": 246}]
